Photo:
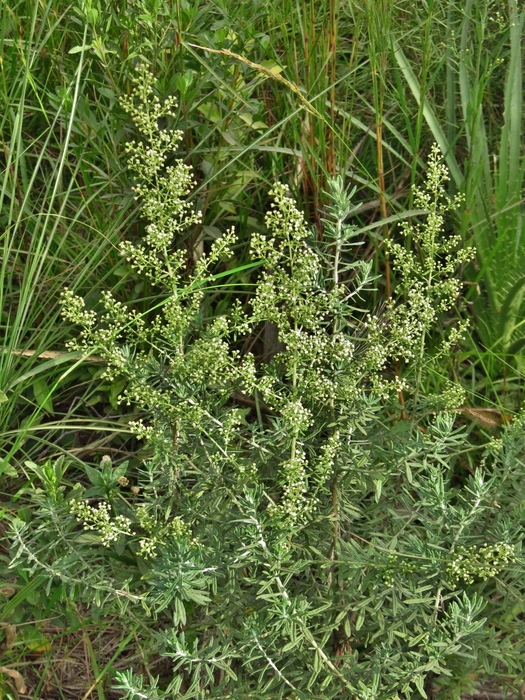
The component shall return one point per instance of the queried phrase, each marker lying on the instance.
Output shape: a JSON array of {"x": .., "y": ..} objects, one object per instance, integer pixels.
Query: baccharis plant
[{"x": 289, "y": 534}]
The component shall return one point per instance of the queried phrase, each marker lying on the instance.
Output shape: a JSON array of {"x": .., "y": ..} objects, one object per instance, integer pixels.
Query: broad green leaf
[
  {"x": 79, "y": 49},
  {"x": 43, "y": 395},
  {"x": 94, "y": 476}
]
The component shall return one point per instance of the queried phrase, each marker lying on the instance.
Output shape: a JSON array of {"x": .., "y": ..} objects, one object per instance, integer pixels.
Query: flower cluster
[
  {"x": 398, "y": 566},
  {"x": 296, "y": 504},
  {"x": 161, "y": 187},
  {"x": 482, "y": 562},
  {"x": 298, "y": 418},
  {"x": 99, "y": 519},
  {"x": 427, "y": 271},
  {"x": 159, "y": 533}
]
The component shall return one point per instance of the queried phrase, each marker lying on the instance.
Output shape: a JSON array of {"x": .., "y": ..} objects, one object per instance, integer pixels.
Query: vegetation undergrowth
[
  {"x": 269, "y": 92},
  {"x": 286, "y": 534}
]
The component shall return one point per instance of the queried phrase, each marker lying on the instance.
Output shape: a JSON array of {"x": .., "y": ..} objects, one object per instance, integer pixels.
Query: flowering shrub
[{"x": 293, "y": 537}]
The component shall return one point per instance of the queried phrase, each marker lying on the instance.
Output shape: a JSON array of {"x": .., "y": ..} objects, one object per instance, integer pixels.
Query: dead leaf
[
  {"x": 16, "y": 676},
  {"x": 9, "y": 591},
  {"x": 488, "y": 417},
  {"x": 10, "y": 635}
]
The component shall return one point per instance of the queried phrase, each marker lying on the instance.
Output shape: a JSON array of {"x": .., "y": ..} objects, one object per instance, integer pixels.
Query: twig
[
  {"x": 50, "y": 354},
  {"x": 489, "y": 695},
  {"x": 267, "y": 72}
]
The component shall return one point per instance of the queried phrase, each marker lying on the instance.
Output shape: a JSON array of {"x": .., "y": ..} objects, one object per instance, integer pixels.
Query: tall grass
[
  {"x": 62, "y": 208},
  {"x": 485, "y": 52}
]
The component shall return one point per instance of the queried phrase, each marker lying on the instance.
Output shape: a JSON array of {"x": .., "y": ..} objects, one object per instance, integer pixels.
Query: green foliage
[
  {"x": 484, "y": 49},
  {"x": 59, "y": 177},
  {"x": 280, "y": 91},
  {"x": 285, "y": 534}
]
